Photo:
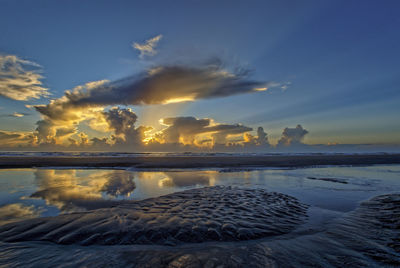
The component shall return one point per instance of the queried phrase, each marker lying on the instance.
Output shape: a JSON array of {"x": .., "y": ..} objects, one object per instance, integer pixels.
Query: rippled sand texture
[
  {"x": 377, "y": 222},
  {"x": 366, "y": 237},
  {"x": 209, "y": 214}
]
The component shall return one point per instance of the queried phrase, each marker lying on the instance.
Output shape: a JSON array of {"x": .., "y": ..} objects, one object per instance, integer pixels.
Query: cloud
[
  {"x": 262, "y": 137},
  {"x": 17, "y": 212},
  {"x": 16, "y": 138},
  {"x": 45, "y": 131},
  {"x": 224, "y": 130},
  {"x": 148, "y": 48},
  {"x": 20, "y": 79},
  {"x": 160, "y": 85},
  {"x": 122, "y": 122},
  {"x": 182, "y": 129},
  {"x": 15, "y": 114},
  {"x": 185, "y": 129},
  {"x": 119, "y": 184},
  {"x": 100, "y": 143},
  {"x": 285, "y": 85},
  {"x": 89, "y": 104},
  {"x": 180, "y": 133},
  {"x": 292, "y": 136},
  {"x": 260, "y": 140},
  {"x": 82, "y": 143},
  {"x": 65, "y": 109},
  {"x": 65, "y": 190},
  {"x": 185, "y": 179},
  {"x": 65, "y": 131}
]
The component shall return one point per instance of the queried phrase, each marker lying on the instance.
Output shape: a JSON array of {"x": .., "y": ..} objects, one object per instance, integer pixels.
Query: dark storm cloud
[
  {"x": 185, "y": 129},
  {"x": 224, "y": 130},
  {"x": 122, "y": 122},
  {"x": 262, "y": 137},
  {"x": 260, "y": 140},
  {"x": 292, "y": 136},
  {"x": 119, "y": 184},
  {"x": 159, "y": 85}
]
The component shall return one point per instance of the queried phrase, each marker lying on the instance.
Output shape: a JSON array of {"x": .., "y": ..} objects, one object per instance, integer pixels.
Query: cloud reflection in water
[
  {"x": 184, "y": 179},
  {"x": 70, "y": 192}
]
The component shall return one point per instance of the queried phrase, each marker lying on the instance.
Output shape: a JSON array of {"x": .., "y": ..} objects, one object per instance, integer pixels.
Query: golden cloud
[{"x": 20, "y": 79}]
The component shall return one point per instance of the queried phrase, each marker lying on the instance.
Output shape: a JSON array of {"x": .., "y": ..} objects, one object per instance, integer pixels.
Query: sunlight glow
[
  {"x": 180, "y": 99},
  {"x": 261, "y": 89}
]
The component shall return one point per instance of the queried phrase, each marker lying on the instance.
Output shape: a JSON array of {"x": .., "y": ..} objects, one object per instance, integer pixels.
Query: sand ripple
[
  {"x": 366, "y": 237},
  {"x": 207, "y": 214}
]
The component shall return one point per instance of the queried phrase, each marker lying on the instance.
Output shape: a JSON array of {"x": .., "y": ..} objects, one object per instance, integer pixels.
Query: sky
[{"x": 185, "y": 75}]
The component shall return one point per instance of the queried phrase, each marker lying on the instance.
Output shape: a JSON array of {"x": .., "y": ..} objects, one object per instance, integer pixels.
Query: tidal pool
[
  {"x": 27, "y": 193},
  {"x": 320, "y": 217}
]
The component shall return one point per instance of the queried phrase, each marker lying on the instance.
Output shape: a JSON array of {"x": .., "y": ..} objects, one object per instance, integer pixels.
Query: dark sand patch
[{"x": 337, "y": 180}]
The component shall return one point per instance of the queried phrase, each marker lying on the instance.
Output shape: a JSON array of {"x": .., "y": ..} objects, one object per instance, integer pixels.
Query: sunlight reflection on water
[{"x": 27, "y": 193}]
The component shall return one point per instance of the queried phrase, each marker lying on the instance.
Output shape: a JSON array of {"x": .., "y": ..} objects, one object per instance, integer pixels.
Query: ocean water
[
  {"x": 335, "y": 197},
  {"x": 48, "y": 192}
]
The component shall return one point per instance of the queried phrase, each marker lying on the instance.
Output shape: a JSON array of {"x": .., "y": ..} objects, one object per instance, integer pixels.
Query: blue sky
[{"x": 339, "y": 59}]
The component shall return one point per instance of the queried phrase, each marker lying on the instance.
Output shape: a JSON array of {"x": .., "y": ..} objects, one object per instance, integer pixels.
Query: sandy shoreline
[
  {"x": 325, "y": 217},
  {"x": 198, "y": 161},
  {"x": 183, "y": 233}
]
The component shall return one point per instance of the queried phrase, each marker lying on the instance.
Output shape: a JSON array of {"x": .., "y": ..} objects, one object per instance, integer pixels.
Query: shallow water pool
[{"x": 29, "y": 193}]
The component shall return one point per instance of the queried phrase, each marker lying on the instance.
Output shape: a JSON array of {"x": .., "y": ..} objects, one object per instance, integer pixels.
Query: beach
[
  {"x": 204, "y": 161},
  {"x": 200, "y": 211}
]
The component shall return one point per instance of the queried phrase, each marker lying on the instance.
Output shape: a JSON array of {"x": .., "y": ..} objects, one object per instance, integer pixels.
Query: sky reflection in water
[{"x": 28, "y": 193}]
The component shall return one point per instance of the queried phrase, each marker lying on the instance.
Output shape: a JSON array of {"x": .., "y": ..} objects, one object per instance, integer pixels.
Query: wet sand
[
  {"x": 215, "y": 213},
  {"x": 206, "y": 161},
  {"x": 366, "y": 237},
  {"x": 217, "y": 226}
]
